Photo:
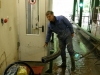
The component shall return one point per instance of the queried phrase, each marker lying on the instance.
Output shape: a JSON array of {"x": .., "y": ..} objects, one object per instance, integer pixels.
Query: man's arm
[{"x": 66, "y": 21}]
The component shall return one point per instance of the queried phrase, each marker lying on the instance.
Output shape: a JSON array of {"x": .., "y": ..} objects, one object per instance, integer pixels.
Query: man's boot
[
  {"x": 63, "y": 62},
  {"x": 72, "y": 63}
]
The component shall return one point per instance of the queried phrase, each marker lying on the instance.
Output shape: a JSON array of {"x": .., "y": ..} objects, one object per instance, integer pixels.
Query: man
[{"x": 64, "y": 30}]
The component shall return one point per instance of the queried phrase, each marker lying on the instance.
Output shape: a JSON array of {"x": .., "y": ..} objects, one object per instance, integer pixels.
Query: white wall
[{"x": 8, "y": 34}]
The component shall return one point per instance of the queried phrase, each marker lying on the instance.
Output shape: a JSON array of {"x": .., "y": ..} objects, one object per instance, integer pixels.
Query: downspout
[
  {"x": 74, "y": 10},
  {"x": 81, "y": 10}
]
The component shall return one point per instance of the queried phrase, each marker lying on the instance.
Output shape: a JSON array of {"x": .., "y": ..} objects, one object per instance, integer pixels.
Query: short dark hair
[{"x": 49, "y": 12}]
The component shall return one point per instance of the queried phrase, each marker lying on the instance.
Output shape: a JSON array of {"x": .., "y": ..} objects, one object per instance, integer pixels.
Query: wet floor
[
  {"x": 87, "y": 56},
  {"x": 86, "y": 61}
]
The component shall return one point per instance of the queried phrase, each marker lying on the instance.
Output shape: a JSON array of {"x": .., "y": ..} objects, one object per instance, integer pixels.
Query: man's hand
[
  {"x": 46, "y": 44},
  {"x": 72, "y": 35}
]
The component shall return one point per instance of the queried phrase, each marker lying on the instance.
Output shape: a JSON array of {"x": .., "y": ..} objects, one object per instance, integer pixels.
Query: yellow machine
[
  {"x": 22, "y": 71},
  {"x": 18, "y": 68}
]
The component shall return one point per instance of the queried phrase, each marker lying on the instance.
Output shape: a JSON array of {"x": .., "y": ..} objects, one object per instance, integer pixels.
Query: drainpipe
[
  {"x": 74, "y": 10},
  {"x": 96, "y": 3},
  {"x": 81, "y": 10},
  {"x": 91, "y": 12}
]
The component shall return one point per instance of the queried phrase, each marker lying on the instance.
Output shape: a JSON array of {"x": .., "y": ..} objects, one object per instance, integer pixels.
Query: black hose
[
  {"x": 32, "y": 73},
  {"x": 51, "y": 57}
]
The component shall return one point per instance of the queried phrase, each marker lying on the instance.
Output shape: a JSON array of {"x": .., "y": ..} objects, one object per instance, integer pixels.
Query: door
[{"x": 31, "y": 30}]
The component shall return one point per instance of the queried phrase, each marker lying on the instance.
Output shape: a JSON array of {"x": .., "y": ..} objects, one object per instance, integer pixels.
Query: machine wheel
[{"x": 18, "y": 63}]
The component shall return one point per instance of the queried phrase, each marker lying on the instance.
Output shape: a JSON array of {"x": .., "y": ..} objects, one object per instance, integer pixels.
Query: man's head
[{"x": 50, "y": 15}]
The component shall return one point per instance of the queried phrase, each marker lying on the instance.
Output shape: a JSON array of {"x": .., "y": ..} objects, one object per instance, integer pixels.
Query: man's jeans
[{"x": 66, "y": 43}]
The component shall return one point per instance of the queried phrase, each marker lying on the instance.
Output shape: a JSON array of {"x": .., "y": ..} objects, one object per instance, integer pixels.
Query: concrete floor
[{"x": 84, "y": 61}]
